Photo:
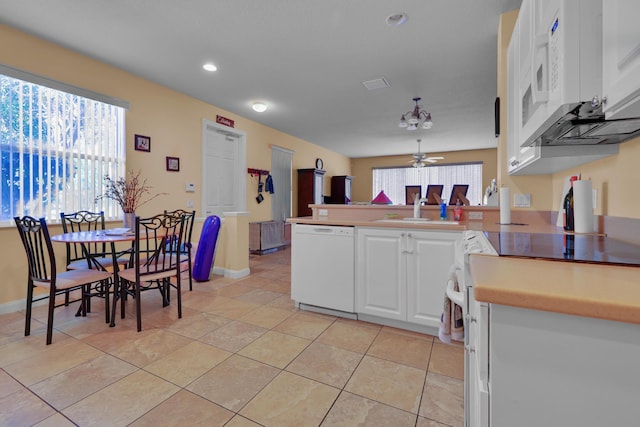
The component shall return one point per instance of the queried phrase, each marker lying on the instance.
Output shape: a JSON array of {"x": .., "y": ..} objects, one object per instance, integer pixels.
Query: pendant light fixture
[{"x": 416, "y": 118}]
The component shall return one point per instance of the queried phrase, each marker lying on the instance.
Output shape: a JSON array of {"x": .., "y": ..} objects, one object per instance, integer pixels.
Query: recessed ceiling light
[
  {"x": 209, "y": 67},
  {"x": 259, "y": 107},
  {"x": 397, "y": 19}
]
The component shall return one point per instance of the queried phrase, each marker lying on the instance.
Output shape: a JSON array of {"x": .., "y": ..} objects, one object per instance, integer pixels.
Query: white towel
[{"x": 451, "y": 322}]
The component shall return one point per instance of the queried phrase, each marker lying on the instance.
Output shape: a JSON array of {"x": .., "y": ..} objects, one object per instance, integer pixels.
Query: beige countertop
[
  {"x": 429, "y": 225},
  {"x": 589, "y": 290}
]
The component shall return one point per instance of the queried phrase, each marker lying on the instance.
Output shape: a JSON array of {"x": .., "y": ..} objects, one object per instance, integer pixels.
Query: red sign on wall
[{"x": 224, "y": 121}]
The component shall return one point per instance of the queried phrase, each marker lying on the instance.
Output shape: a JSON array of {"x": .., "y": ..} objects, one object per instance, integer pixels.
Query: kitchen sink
[{"x": 421, "y": 221}]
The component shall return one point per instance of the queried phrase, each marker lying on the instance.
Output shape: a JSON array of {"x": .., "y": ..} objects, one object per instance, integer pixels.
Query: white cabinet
[
  {"x": 533, "y": 91},
  {"x": 517, "y": 156},
  {"x": 430, "y": 257},
  {"x": 401, "y": 274},
  {"x": 551, "y": 369},
  {"x": 621, "y": 58},
  {"x": 381, "y": 272}
]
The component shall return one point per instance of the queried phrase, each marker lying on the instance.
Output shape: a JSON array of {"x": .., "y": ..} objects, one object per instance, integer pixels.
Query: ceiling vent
[{"x": 376, "y": 83}]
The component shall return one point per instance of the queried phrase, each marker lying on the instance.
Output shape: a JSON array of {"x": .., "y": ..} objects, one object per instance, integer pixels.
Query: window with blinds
[
  {"x": 56, "y": 149},
  {"x": 393, "y": 180}
]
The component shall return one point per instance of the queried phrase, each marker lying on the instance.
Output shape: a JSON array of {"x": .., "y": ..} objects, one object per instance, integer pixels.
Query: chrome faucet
[{"x": 417, "y": 201}]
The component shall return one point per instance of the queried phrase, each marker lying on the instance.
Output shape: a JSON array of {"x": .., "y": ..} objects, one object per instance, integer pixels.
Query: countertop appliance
[
  {"x": 322, "y": 267},
  {"x": 476, "y": 333},
  {"x": 590, "y": 248},
  {"x": 560, "y": 76}
]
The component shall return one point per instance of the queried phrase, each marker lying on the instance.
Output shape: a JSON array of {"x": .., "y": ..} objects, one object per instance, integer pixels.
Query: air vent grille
[{"x": 378, "y": 83}]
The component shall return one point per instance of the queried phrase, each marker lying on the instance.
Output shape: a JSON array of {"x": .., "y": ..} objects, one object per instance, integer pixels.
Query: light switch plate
[
  {"x": 323, "y": 212},
  {"x": 522, "y": 200}
]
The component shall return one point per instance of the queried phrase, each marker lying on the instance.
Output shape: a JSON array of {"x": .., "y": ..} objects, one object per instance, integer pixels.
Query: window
[
  {"x": 393, "y": 180},
  {"x": 56, "y": 148}
]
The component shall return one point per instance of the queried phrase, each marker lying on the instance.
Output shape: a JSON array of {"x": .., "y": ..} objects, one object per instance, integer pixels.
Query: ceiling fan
[{"x": 419, "y": 159}]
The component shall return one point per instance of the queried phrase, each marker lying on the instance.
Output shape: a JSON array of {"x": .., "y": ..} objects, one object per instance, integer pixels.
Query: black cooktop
[{"x": 565, "y": 247}]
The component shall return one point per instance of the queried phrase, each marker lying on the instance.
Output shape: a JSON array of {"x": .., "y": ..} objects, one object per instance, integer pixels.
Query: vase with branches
[{"x": 129, "y": 192}]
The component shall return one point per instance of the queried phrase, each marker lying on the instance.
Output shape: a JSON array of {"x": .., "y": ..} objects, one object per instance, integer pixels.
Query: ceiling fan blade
[
  {"x": 437, "y": 158},
  {"x": 430, "y": 160}
]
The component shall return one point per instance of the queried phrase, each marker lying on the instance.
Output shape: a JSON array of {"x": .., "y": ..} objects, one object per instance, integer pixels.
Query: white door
[
  {"x": 381, "y": 273},
  {"x": 431, "y": 253},
  {"x": 223, "y": 180}
]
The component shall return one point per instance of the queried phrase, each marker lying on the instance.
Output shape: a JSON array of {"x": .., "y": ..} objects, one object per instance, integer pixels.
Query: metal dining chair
[
  {"x": 154, "y": 263},
  {"x": 77, "y": 253},
  {"x": 186, "y": 248},
  {"x": 42, "y": 273}
]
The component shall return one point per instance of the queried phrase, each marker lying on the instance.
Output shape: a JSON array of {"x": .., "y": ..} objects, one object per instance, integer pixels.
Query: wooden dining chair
[
  {"x": 186, "y": 248},
  {"x": 154, "y": 263},
  {"x": 42, "y": 273}
]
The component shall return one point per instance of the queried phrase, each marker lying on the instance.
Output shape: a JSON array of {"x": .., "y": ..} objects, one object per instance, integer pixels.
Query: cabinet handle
[
  {"x": 471, "y": 319},
  {"x": 469, "y": 349},
  {"x": 407, "y": 251}
]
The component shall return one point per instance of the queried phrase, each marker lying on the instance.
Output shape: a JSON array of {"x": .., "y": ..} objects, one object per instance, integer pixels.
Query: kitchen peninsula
[
  {"x": 398, "y": 266},
  {"x": 559, "y": 335}
]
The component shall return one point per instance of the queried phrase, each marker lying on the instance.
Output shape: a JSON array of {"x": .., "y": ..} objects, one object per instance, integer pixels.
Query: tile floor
[{"x": 242, "y": 355}]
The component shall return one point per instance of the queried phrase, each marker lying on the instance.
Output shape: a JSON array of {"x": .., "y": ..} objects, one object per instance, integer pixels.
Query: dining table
[{"x": 109, "y": 236}]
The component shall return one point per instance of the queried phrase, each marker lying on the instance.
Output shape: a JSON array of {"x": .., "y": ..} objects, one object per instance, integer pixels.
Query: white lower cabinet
[
  {"x": 551, "y": 369},
  {"x": 402, "y": 274}
]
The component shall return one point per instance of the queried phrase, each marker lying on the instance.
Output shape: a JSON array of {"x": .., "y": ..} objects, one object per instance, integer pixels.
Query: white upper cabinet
[{"x": 621, "y": 58}]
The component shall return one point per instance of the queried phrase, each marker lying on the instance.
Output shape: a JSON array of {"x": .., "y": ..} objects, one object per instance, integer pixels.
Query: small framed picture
[
  {"x": 142, "y": 143},
  {"x": 173, "y": 164}
]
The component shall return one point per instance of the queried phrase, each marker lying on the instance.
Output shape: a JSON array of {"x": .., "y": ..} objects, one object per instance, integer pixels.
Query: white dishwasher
[{"x": 322, "y": 267}]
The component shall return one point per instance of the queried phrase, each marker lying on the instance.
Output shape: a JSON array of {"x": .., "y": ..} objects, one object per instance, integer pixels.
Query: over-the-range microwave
[{"x": 560, "y": 76}]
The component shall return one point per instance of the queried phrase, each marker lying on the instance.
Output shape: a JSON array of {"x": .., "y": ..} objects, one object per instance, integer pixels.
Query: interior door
[{"x": 223, "y": 177}]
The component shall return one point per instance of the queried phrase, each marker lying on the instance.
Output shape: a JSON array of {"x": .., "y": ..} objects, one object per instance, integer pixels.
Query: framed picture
[
  {"x": 459, "y": 192},
  {"x": 434, "y": 194},
  {"x": 173, "y": 164},
  {"x": 410, "y": 192},
  {"x": 142, "y": 143}
]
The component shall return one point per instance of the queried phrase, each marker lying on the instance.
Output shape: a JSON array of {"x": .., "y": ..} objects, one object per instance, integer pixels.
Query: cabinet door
[
  {"x": 431, "y": 254},
  {"x": 381, "y": 273},
  {"x": 621, "y": 58},
  {"x": 513, "y": 142}
]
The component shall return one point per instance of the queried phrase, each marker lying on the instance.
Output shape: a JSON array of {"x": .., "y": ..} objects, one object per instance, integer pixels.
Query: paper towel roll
[
  {"x": 582, "y": 207},
  {"x": 505, "y": 205}
]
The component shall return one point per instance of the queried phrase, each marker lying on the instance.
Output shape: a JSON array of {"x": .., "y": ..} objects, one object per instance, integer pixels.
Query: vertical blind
[
  {"x": 281, "y": 169},
  {"x": 56, "y": 148},
  {"x": 393, "y": 180}
]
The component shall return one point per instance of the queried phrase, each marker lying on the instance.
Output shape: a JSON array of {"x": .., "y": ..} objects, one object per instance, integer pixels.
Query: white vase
[{"x": 129, "y": 220}]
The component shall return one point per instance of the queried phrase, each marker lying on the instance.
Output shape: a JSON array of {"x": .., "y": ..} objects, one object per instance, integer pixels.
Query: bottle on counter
[
  {"x": 457, "y": 211},
  {"x": 443, "y": 210},
  {"x": 568, "y": 207}
]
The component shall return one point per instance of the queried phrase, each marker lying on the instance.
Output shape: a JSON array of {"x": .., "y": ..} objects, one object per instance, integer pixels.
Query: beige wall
[
  {"x": 362, "y": 167},
  {"x": 616, "y": 177},
  {"x": 174, "y": 123}
]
